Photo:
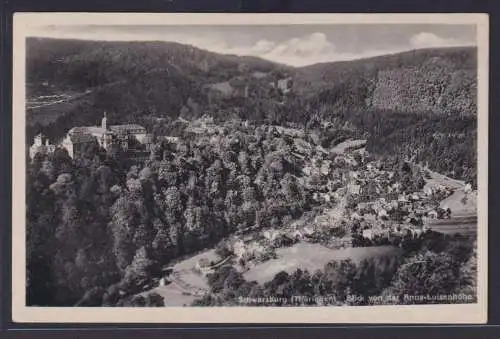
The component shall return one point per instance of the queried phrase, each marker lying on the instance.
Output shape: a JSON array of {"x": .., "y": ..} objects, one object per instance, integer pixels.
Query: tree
[
  {"x": 468, "y": 275},
  {"x": 426, "y": 274},
  {"x": 153, "y": 299},
  {"x": 93, "y": 297},
  {"x": 140, "y": 271}
]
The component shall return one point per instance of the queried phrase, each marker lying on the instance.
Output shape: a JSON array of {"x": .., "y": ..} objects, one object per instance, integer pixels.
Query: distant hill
[
  {"x": 439, "y": 80},
  {"x": 130, "y": 79}
]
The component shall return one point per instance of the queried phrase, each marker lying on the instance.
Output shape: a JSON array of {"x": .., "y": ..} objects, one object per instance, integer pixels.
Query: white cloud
[
  {"x": 425, "y": 39},
  {"x": 299, "y": 51},
  {"x": 295, "y": 51}
]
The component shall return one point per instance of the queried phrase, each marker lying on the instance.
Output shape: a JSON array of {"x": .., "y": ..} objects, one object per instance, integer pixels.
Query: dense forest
[{"x": 98, "y": 221}]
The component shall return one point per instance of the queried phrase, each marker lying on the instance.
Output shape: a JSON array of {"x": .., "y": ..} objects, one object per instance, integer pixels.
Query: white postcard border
[{"x": 24, "y": 23}]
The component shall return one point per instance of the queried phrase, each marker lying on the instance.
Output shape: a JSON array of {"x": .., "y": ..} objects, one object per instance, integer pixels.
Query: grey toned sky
[{"x": 296, "y": 45}]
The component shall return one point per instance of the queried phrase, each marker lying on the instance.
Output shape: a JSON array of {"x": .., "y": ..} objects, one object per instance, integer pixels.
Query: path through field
[
  {"x": 463, "y": 211},
  {"x": 186, "y": 284}
]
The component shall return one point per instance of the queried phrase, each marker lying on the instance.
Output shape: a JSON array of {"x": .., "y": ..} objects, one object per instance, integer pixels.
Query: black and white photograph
[{"x": 194, "y": 164}]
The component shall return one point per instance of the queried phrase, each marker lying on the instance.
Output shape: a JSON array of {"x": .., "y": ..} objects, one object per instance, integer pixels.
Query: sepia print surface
[{"x": 296, "y": 168}]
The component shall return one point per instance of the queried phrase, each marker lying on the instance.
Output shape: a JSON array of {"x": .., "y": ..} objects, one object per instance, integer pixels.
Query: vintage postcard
[{"x": 250, "y": 168}]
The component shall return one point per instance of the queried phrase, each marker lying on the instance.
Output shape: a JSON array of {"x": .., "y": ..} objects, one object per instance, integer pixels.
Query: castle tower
[
  {"x": 104, "y": 122},
  {"x": 38, "y": 140}
]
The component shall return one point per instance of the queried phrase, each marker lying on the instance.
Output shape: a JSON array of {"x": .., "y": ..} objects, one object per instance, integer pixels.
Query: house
[
  {"x": 402, "y": 199},
  {"x": 39, "y": 147},
  {"x": 428, "y": 190},
  {"x": 307, "y": 170},
  {"x": 355, "y": 216},
  {"x": 382, "y": 214},
  {"x": 239, "y": 248},
  {"x": 308, "y": 230},
  {"x": 203, "y": 266},
  {"x": 285, "y": 85},
  {"x": 415, "y": 197},
  {"x": 367, "y": 233},
  {"x": 325, "y": 197},
  {"x": 298, "y": 235},
  {"x": 270, "y": 235},
  {"x": 432, "y": 214},
  {"x": 355, "y": 189},
  {"x": 363, "y": 207},
  {"x": 467, "y": 188},
  {"x": 416, "y": 232}
]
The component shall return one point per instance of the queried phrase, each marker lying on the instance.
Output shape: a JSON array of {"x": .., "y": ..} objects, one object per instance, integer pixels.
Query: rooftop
[{"x": 127, "y": 127}]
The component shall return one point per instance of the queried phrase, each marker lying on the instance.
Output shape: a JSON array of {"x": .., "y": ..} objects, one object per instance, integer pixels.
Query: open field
[
  {"x": 463, "y": 213},
  {"x": 312, "y": 257},
  {"x": 463, "y": 224},
  {"x": 173, "y": 295},
  {"x": 457, "y": 206}
]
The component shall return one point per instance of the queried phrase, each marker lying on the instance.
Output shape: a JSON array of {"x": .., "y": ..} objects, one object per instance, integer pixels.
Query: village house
[
  {"x": 203, "y": 266},
  {"x": 325, "y": 197},
  {"x": 270, "y": 235},
  {"x": 432, "y": 214},
  {"x": 367, "y": 233},
  {"x": 467, "y": 189},
  {"x": 356, "y": 216},
  {"x": 382, "y": 214}
]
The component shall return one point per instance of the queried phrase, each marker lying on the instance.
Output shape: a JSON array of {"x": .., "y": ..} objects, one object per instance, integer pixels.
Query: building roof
[
  {"x": 126, "y": 128},
  {"x": 97, "y": 130}
]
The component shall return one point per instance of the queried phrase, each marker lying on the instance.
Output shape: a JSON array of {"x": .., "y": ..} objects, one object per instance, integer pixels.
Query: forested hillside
[
  {"x": 100, "y": 230},
  {"x": 439, "y": 80},
  {"x": 408, "y": 103}
]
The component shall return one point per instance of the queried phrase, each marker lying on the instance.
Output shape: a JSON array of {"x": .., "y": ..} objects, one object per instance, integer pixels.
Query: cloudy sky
[{"x": 296, "y": 45}]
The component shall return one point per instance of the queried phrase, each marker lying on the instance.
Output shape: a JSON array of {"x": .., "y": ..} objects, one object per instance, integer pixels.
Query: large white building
[
  {"x": 105, "y": 136},
  {"x": 78, "y": 137}
]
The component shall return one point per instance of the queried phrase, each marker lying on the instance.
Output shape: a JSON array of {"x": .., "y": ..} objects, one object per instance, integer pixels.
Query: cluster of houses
[
  {"x": 405, "y": 212},
  {"x": 204, "y": 125}
]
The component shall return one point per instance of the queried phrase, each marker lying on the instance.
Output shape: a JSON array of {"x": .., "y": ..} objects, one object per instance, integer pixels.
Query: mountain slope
[
  {"x": 414, "y": 104},
  {"x": 439, "y": 80},
  {"x": 140, "y": 78}
]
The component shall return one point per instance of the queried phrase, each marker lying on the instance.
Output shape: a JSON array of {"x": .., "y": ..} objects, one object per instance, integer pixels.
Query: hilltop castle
[
  {"x": 105, "y": 135},
  {"x": 39, "y": 147},
  {"x": 127, "y": 137}
]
